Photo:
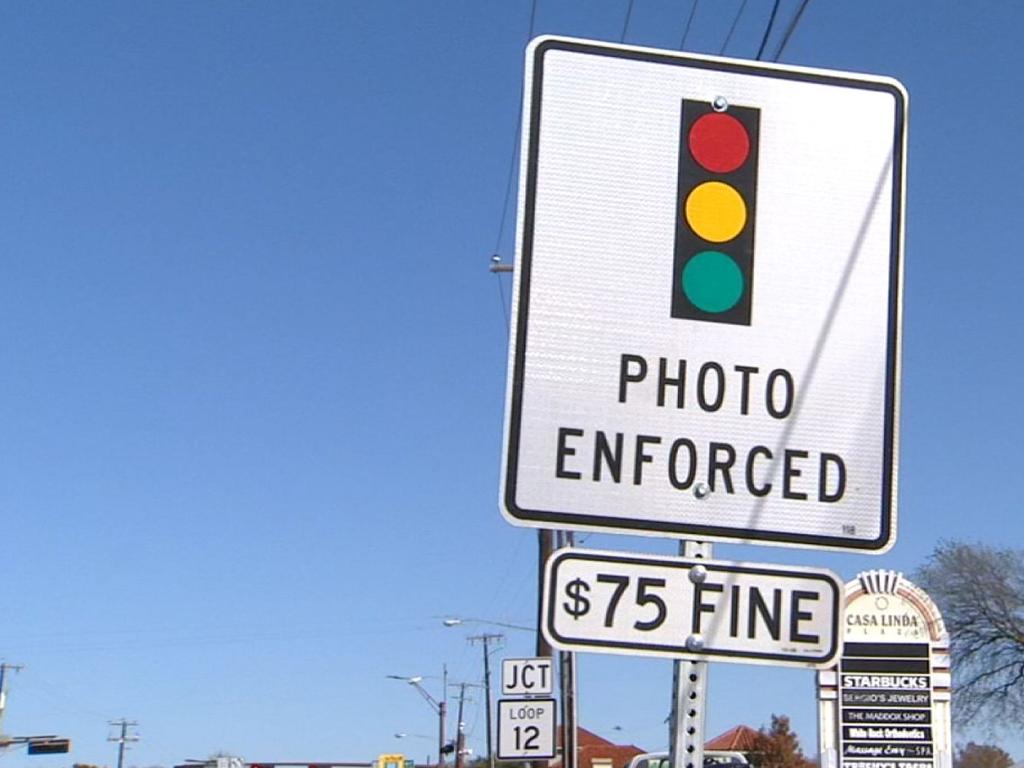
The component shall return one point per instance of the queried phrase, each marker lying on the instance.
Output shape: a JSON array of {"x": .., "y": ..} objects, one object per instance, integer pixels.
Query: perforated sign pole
[{"x": 689, "y": 694}]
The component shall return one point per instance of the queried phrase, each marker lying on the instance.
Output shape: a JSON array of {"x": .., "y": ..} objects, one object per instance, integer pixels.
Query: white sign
[
  {"x": 707, "y": 298},
  {"x": 526, "y": 728},
  {"x": 526, "y": 677},
  {"x": 687, "y": 608}
]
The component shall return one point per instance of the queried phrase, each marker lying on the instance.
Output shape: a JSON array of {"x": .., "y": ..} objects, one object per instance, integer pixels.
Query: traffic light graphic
[{"x": 713, "y": 267}]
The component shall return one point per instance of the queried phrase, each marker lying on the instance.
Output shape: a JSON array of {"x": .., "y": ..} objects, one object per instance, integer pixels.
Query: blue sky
[{"x": 254, "y": 362}]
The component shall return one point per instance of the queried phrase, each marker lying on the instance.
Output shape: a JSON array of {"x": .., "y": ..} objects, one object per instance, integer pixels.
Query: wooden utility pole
[{"x": 123, "y": 738}]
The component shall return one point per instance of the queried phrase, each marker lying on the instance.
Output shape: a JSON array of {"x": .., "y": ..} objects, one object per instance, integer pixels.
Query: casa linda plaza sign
[
  {"x": 707, "y": 299},
  {"x": 887, "y": 703}
]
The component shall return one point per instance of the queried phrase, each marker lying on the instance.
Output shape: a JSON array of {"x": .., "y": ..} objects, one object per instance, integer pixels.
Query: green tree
[
  {"x": 778, "y": 747},
  {"x": 980, "y": 592},
  {"x": 980, "y": 756}
]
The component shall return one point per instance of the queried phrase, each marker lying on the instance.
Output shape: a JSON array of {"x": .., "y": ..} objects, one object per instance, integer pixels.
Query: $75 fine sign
[{"x": 687, "y": 608}]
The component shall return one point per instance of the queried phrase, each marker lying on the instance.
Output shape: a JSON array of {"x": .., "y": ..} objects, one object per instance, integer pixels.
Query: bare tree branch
[{"x": 980, "y": 591}]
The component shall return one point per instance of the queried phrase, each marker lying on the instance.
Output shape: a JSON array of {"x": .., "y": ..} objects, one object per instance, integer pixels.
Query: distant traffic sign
[
  {"x": 686, "y": 608},
  {"x": 526, "y": 729},
  {"x": 526, "y": 677},
  {"x": 708, "y": 299},
  {"x": 48, "y": 746}
]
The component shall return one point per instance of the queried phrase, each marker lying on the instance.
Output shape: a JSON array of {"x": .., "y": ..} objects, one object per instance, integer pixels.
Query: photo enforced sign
[{"x": 707, "y": 299}]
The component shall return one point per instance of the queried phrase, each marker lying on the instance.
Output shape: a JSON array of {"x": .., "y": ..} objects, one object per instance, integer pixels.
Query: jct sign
[
  {"x": 526, "y": 677},
  {"x": 707, "y": 299}
]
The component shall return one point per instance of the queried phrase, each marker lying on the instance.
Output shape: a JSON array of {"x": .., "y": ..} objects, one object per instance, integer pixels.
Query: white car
[{"x": 713, "y": 758}]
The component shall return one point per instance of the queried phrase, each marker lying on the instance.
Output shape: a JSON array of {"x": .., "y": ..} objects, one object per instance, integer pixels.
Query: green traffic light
[{"x": 713, "y": 281}]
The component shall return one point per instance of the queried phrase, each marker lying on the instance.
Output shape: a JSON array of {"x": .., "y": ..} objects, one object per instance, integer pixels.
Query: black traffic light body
[
  {"x": 49, "y": 747},
  {"x": 716, "y": 204}
]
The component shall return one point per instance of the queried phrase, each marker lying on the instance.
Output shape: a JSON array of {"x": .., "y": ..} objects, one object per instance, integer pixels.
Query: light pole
[
  {"x": 455, "y": 621},
  {"x": 440, "y": 707},
  {"x": 460, "y": 736},
  {"x": 485, "y": 639},
  {"x": 403, "y": 735}
]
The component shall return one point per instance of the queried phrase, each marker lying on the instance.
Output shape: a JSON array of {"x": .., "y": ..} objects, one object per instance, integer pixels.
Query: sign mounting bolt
[
  {"x": 719, "y": 104},
  {"x": 695, "y": 643},
  {"x": 698, "y": 573},
  {"x": 701, "y": 491}
]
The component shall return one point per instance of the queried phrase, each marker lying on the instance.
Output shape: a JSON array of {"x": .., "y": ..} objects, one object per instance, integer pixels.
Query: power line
[
  {"x": 732, "y": 29},
  {"x": 792, "y": 26},
  {"x": 768, "y": 29},
  {"x": 515, "y": 146},
  {"x": 689, "y": 21},
  {"x": 496, "y": 265},
  {"x": 625, "y": 24},
  {"x": 504, "y": 304}
]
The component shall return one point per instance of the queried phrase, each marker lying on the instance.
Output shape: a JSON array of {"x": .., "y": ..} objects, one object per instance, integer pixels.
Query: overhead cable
[
  {"x": 515, "y": 145},
  {"x": 789, "y": 30},
  {"x": 735, "y": 21},
  {"x": 511, "y": 176},
  {"x": 625, "y": 24},
  {"x": 768, "y": 30},
  {"x": 689, "y": 22}
]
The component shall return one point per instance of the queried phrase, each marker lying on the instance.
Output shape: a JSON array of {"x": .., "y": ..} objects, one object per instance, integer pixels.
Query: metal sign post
[{"x": 689, "y": 694}]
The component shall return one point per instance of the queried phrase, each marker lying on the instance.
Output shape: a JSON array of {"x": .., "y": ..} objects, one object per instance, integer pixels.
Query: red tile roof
[
  {"x": 593, "y": 747},
  {"x": 738, "y": 739}
]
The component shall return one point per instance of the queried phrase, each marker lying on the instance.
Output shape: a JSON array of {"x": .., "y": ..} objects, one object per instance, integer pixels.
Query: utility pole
[
  {"x": 3, "y": 687},
  {"x": 123, "y": 738},
  {"x": 460, "y": 733},
  {"x": 567, "y": 684},
  {"x": 48, "y": 744},
  {"x": 442, "y": 712},
  {"x": 545, "y": 545},
  {"x": 485, "y": 639}
]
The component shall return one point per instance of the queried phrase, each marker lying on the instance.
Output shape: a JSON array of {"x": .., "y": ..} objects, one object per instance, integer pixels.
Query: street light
[
  {"x": 455, "y": 621},
  {"x": 567, "y": 676},
  {"x": 440, "y": 708},
  {"x": 485, "y": 639}
]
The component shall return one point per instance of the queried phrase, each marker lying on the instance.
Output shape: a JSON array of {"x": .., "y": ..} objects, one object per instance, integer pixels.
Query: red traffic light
[{"x": 719, "y": 142}]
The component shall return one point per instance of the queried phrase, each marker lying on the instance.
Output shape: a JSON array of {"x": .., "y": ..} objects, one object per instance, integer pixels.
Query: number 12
[{"x": 531, "y": 732}]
